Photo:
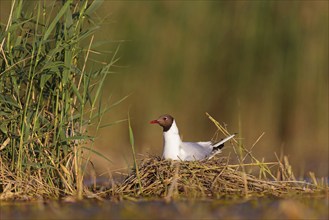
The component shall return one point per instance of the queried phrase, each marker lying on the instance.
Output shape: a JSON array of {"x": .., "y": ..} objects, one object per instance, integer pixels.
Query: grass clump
[{"x": 47, "y": 97}]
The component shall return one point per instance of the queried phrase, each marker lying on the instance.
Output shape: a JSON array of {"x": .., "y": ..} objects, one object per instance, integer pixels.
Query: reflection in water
[{"x": 248, "y": 209}]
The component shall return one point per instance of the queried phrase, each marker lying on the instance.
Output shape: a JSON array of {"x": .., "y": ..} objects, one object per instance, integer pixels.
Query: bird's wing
[{"x": 195, "y": 150}]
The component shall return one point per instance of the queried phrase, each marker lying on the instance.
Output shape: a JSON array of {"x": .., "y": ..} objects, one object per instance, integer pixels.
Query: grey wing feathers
[{"x": 196, "y": 151}]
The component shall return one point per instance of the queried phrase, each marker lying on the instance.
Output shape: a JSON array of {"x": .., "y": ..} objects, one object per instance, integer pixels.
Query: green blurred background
[{"x": 257, "y": 66}]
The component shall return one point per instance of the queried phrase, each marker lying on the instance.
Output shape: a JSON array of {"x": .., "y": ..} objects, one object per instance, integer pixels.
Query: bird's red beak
[{"x": 154, "y": 122}]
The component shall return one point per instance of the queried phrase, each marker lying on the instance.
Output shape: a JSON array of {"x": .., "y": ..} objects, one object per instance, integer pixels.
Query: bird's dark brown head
[{"x": 165, "y": 121}]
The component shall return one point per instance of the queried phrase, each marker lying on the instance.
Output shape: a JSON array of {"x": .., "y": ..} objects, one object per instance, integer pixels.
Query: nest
[{"x": 199, "y": 179}]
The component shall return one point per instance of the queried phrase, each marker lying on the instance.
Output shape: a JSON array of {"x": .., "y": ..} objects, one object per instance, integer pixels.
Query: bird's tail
[{"x": 220, "y": 145}]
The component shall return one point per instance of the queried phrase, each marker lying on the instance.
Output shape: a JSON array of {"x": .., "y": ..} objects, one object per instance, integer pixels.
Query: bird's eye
[{"x": 165, "y": 118}]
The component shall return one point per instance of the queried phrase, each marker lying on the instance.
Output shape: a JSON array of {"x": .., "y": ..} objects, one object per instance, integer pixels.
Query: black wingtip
[{"x": 218, "y": 147}]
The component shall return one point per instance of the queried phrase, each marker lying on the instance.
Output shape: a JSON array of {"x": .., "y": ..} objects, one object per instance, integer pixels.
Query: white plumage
[{"x": 174, "y": 148}]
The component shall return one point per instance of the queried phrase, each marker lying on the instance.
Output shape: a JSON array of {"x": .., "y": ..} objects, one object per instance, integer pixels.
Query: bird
[{"x": 175, "y": 149}]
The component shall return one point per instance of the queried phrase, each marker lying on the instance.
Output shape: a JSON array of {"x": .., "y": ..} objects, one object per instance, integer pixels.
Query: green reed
[{"x": 48, "y": 97}]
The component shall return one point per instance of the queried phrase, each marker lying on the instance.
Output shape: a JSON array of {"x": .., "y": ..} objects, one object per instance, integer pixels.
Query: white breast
[{"x": 172, "y": 142}]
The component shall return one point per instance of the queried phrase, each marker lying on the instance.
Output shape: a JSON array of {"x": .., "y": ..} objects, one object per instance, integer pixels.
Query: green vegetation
[
  {"x": 51, "y": 94},
  {"x": 48, "y": 97}
]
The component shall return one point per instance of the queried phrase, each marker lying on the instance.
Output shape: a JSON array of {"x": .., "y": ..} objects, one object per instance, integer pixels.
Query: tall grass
[{"x": 48, "y": 98}]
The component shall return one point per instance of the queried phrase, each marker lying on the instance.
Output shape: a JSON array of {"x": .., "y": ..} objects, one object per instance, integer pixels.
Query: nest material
[{"x": 198, "y": 179}]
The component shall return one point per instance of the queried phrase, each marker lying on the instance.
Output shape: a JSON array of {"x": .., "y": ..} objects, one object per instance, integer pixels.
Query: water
[{"x": 307, "y": 208}]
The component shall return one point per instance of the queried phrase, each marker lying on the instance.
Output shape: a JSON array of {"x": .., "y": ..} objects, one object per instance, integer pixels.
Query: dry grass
[{"x": 211, "y": 179}]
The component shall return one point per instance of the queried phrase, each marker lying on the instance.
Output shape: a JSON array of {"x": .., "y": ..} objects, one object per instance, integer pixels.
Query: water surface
[{"x": 307, "y": 208}]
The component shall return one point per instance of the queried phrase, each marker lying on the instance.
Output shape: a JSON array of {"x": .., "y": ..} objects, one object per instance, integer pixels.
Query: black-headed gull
[{"x": 174, "y": 148}]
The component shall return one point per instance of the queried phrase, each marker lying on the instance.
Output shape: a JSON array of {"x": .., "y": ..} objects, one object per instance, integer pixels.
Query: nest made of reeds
[{"x": 215, "y": 178}]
